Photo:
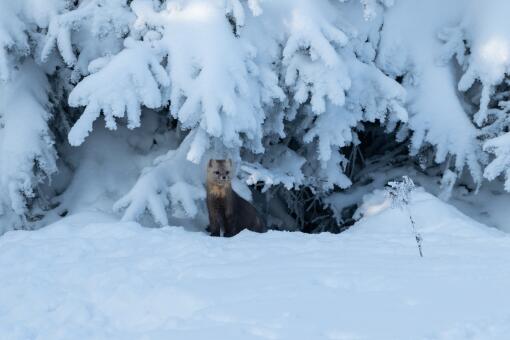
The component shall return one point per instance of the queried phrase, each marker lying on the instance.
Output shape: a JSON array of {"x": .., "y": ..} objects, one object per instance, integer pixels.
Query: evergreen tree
[{"x": 288, "y": 89}]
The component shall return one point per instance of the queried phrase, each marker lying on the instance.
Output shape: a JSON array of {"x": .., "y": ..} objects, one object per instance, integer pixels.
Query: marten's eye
[{"x": 217, "y": 172}]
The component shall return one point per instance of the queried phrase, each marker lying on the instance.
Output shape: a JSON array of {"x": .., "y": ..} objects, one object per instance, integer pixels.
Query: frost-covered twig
[{"x": 400, "y": 194}]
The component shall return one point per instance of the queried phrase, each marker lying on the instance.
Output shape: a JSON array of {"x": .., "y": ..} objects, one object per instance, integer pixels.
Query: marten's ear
[{"x": 210, "y": 163}]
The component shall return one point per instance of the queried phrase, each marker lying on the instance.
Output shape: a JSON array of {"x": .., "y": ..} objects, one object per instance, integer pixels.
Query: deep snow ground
[{"x": 91, "y": 277}]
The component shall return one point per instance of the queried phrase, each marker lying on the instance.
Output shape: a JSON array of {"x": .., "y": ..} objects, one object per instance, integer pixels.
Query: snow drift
[{"x": 90, "y": 276}]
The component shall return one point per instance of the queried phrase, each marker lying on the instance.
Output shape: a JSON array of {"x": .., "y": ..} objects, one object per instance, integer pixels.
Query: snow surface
[{"x": 90, "y": 276}]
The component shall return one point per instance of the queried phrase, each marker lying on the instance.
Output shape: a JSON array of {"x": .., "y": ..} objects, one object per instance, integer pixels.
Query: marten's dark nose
[{"x": 223, "y": 177}]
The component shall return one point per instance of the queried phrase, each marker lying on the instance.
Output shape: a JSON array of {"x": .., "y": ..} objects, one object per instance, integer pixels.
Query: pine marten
[{"x": 228, "y": 212}]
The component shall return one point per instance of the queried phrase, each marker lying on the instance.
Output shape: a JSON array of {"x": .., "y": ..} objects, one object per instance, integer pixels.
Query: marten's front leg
[
  {"x": 230, "y": 218},
  {"x": 216, "y": 223},
  {"x": 230, "y": 230},
  {"x": 216, "y": 218}
]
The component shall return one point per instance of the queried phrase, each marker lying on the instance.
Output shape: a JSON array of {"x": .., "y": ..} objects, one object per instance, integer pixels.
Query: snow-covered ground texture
[{"x": 89, "y": 276}]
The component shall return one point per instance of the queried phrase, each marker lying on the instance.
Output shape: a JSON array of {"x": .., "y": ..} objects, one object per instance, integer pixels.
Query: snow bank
[{"x": 89, "y": 276}]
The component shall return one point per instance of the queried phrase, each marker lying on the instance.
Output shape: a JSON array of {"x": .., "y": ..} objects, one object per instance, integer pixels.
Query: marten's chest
[
  {"x": 216, "y": 192},
  {"x": 217, "y": 197}
]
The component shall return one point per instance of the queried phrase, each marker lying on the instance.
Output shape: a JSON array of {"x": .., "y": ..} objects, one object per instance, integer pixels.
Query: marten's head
[{"x": 219, "y": 171}]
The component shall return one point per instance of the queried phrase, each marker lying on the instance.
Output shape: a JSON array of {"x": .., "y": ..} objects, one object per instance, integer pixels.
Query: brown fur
[{"x": 227, "y": 210}]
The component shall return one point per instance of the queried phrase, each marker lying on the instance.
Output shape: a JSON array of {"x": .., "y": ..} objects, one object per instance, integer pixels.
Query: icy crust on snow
[{"x": 89, "y": 276}]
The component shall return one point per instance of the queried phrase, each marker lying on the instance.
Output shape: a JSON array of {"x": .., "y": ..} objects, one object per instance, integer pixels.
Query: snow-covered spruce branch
[
  {"x": 13, "y": 38},
  {"x": 118, "y": 88},
  {"x": 93, "y": 21},
  {"x": 444, "y": 124},
  {"x": 27, "y": 153},
  {"x": 282, "y": 168},
  {"x": 221, "y": 93},
  {"x": 320, "y": 71},
  {"x": 488, "y": 45},
  {"x": 335, "y": 127},
  {"x": 500, "y": 146},
  {"x": 172, "y": 181}
]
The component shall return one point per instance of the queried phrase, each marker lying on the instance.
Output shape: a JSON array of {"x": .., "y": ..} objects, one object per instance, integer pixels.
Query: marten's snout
[{"x": 222, "y": 176}]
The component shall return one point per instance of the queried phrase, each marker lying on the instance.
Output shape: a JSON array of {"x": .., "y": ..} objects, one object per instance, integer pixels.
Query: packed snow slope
[{"x": 91, "y": 277}]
